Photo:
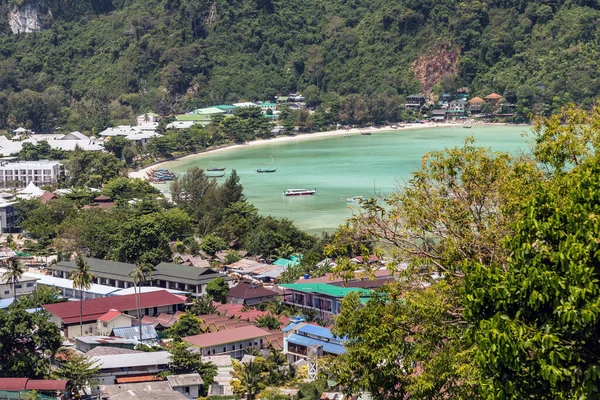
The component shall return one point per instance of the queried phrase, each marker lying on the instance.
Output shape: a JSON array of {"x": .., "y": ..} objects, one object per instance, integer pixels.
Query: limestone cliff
[{"x": 27, "y": 17}]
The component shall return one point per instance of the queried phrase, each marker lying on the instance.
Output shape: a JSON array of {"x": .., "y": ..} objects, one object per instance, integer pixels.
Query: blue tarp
[
  {"x": 4, "y": 303},
  {"x": 306, "y": 341}
]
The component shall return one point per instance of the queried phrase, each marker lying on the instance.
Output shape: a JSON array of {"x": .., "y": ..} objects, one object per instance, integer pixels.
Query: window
[
  {"x": 19, "y": 286},
  {"x": 187, "y": 389},
  {"x": 224, "y": 350},
  {"x": 213, "y": 351},
  {"x": 30, "y": 284},
  {"x": 7, "y": 292},
  {"x": 104, "y": 324}
]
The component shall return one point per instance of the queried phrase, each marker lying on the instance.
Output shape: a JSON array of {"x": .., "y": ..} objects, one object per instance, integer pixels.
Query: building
[
  {"x": 266, "y": 106},
  {"x": 414, "y": 102},
  {"x": 189, "y": 385},
  {"x": 165, "y": 275},
  {"x": 65, "y": 287},
  {"x": 248, "y": 268},
  {"x": 18, "y": 388},
  {"x": 8, "y": 216},
  {"x": 25, "y": 285},
  {"x": 439, "y": 115},
  {"x": 147, "y": 118},
  {"x": 456, "y": 109},
  {"x": 245, "y": 104},
  {"x": 203, "y": 116},
  {"x": 133, "y": 333},
  {"x": 493, "y": 98},
  {"x": 42, "y": 172},
  {"x": 475, "y": 104},
  {"x": 227, "y": 108},
  {"x": 231, "y": 342},
  {"x": 66, "y": 315},
  {"x": 111, "y": 320},
  {"x": 88, "y": 343},
  {"x": 298, "y": 337},
  {"x": 323, "y": 297},
  {"x": 130, "y": 368},
  {"x": 153, "y": 390},
  {"x": 249, "y": 294}
]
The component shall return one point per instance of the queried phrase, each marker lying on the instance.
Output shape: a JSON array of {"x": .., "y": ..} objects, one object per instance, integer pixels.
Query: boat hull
[
  {"x": 298, "y": 194},
  {"x": 215, "y": 169}
]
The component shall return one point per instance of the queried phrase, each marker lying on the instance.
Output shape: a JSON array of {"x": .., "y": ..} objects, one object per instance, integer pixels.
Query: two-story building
[
  {"x": 299, "y": 337},
  {"x": 456, "y": 109},
  {"x": 475, "y": 105},
  {"x": 42, "y": 172},
  {"x": 415, "y": 102},
  {"x": 25, "y": 285},
  {"x": 323, "y": 297},
  {"x": 113, "y": 368},
  {"x": 231, "y": 342}
]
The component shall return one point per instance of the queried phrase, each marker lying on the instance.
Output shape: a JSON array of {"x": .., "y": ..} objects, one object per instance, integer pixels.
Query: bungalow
[
  {"x": 322, "y": 297},
  {"x": 414, "y": 102},
  {"x": 188, "y": 385},
  {"x": 231, "y": 342},
  {"x": 249, "y": 294},
  {"x": 438, "y": 115},
  {"x": 493, "y": 98},
  {"x": 66, "y": 315},
  {"x": 299, "y": 337},
  {"x": 475, "y": 104},
  {"x": 255, "y": 270}
]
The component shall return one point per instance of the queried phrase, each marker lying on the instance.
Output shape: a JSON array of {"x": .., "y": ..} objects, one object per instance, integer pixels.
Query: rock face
[{"x": 27, "y": 17}]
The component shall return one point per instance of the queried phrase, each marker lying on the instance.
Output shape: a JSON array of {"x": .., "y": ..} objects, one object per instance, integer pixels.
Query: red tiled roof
[
  {"x": 47, "y": 196},
  {"x": 95, "y": 308},
  {"x": 13, "y": 383},
  {"x": 102, "y": 198},
  {"x": 476, "y": 100},
  {"x": 138, "y": 379},
  {"x": 493, "y": 96},
  {"x": 40, "y": 384},
  {"x": 226, "y": 336},
  {"x": 109, "y": 316},
  {"x": 247, "y": 290}
]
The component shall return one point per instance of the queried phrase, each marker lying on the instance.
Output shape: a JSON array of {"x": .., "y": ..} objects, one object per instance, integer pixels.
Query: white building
[
  {"x": 25, "y": 285},
  {"x": 40, "y": 172},
  {"x": 245, "y": 104},
  {"x": 117, "y": 366},
  {"x": 8, "y": 217},
  {"x": 147, "y": 118}
]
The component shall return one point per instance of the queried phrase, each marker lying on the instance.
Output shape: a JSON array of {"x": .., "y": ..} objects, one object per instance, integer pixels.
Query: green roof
[
  {"x": 208, "y": 111},
  {"x": 282, "y": 98},
  {"x": 224, "y": 107},
  {"x": 325, "y": 289},
  {"x": 288, "y": 262}
]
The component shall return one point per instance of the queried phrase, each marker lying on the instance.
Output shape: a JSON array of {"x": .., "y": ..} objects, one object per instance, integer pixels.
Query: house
[
  {"x": 147, "y": 118},
  {"x": 187, "y": 259},
  {"x": 47, "y": 197},
  {"x": 130, "y": 368},
  {"x": 456, "y": 109},
  {"x": 66, "y": 315},
  {"x": 203, "y": 116},
  {"x": 295, "y": 97},
  {"x": 180, "y": 124},
  {"x": 227, "y": 108},
  {"x": 103, "y": 202},
  {"x": 18, "y": 388},
  {"x": 189, "y": 385},
  {"x": 42, "y": 172},
  {"x": 438, "y": 115},
  {"x": 292, "y": 261},
  {"x": 76, "y": 135},
  {"x": 493, "y": 98},
  {"x": 88, "y": 343},
  {"x": 231, "y": 342},
  {"x": 475, "y": 104},
  {"x": 184, "y": 277},
  {"x": 252, "y": 269},
  {"x": 111, "y": 320},
  {"x": 414, "y": 102},
  {"x": 299, "y": 337},
  {"x": 141, "y": 138},
  {"x": 25, "y": 285},
  {"x": 445, "y": 97},
  {"x": 323, "y": 297},
  {"x": 266, "y": 106},
  {"x": 249, "y": 294}
]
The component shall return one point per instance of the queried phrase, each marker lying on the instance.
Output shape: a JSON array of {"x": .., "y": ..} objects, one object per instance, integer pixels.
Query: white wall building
[
  {"x": 114, "y": 367},
  {"x": 25, "y": 285},
  {"x": 40, "y": 172}
]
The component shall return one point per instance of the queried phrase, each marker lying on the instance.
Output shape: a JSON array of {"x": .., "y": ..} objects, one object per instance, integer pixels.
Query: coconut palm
[
  {"x": 82, "y": 279},
  {"x": 13, "y": 274},
  {"x": 141, "y": 273}
]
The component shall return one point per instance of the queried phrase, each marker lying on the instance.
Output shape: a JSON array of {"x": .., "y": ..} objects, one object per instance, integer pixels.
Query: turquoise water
[{"x": 339, "y": 167}]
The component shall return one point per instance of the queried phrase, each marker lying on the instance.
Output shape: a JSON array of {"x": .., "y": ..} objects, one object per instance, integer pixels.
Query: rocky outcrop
[
  {"x": 441, "y": 60},
  {"x": 27, "y": 17}
]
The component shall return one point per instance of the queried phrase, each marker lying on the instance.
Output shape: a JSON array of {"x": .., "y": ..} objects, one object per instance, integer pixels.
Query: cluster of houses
[{"x": 459, "y": 105}]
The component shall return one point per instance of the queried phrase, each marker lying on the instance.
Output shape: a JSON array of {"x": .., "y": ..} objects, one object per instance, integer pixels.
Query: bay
[{"x": 339, "y": 167}]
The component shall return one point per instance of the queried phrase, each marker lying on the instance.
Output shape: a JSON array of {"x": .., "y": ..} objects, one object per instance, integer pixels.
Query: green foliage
[
  {"x": 535, "y": 319},
  {"x": 40, "y": 151},
  {"x": 186, "y": 325},
  {"x": 122, "y": 189},
  {"x": 42, "y": 220},
  {"x": 183, "y": 361},
  {"x": 41, "y": 295},
  {"x": 26, "y": 341},
  {"x": 312, "y": 390},
  {"x": 269, "y": 321},
  {"x": 92, "y": 168},
  {"x": 218, "y": 289},
  {"x": 13, "y": 274},
  {"x": 202, "y": 306},
  {"x": 80, "y": 372},
  {"x": 211, "y": 244}
]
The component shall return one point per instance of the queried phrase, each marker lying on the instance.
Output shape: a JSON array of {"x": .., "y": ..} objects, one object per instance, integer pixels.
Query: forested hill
[{"x": 98, "y": 62}]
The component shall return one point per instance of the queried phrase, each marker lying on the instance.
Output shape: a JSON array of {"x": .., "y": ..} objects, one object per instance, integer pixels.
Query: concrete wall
[{"x": 105, "y": 329}]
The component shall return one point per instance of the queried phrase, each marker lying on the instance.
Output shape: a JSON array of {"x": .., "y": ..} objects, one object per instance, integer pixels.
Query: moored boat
[
  {"x": 215, "y": 169},
  {"x": 355, "y": 199},
  {"x": 266, "y": 171},
  {"x": 365, "y": 133},
  {"x": 216, "y": 176},
  {"x": 467, "y": 126},
  {"x": 299, "y": 192}
]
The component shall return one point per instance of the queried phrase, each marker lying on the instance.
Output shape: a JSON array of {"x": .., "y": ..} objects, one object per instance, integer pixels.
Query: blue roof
[
  {"x": 4, "y": 303},
  {"x": 289, "y": 327},
  {"x": 331, "y": 348},
  {"x": 318, "y": 331}
]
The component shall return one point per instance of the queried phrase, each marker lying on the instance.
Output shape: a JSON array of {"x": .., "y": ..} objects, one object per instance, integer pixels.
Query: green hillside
[{"x": 100, "y": 61}]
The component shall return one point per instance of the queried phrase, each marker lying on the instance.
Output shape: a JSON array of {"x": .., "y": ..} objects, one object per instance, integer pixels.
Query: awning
[
  {"x": 137, "y": 379},
  {"x": 306, "y": 341}
]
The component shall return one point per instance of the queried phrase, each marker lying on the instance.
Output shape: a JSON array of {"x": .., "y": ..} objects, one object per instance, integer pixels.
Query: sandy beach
[{"x": 143, "y": 173}]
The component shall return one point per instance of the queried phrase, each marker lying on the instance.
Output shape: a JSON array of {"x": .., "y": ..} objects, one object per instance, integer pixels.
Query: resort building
[
  {"x": 130, "y": 368},
  {"x": 231, "y": 342},
  {"x": 249, "y": 294},
  {"x": 299, "y": 337},
  {"x": 25, "y": 285},
  {"x": 24, "y": 388},
  {"x": 456, "y": 109},
  {"x": 267, "y": 106},
  {"x": 65, "y": 287},
  {"x": 67, "y": 315},
  {"x": 415, "y": 102},
  {"x": 493, "y": 98},
  {"x": 176, "y": 277},
  {"x": 202, "y": 116},
  {"x": 227, "y": 108},
  {"x": 322, "y": 297},
  {"x": 147, "y": 118},
  {"x": 21, "y": 173},
  {"x": 8, "y": 215},
  {"x": 245, "y": 104},
  {"x": 475, "y": 104}
]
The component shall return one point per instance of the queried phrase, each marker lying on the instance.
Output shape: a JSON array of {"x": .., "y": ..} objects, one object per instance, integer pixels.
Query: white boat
[
  {"x": 299, "y": 192},
  {"x": 355, "y": 199}
]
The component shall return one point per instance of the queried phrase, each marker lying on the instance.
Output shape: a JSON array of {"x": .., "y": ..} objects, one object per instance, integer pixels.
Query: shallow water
[{"x": 339, "y": 167}]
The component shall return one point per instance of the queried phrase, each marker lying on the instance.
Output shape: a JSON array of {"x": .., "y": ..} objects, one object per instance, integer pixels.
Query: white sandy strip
[{"x": 142, "y": 173}]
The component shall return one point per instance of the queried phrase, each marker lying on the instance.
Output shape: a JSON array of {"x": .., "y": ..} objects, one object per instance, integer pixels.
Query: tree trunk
[
  {"x": 14, "y": 285},
  {"x": 81, "y": 310},
  {"x": 139, "y": 309}
]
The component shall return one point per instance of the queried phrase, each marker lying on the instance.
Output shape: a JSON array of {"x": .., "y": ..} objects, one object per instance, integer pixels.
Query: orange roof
[
  {"x": 109, "y": 316},
  {"x": 137, "y": 379},
  {"x": 476, "y": 100},
  {"x": 493, "y": 96}
]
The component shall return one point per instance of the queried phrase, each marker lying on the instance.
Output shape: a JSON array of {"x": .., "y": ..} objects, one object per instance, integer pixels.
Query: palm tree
[
  {"x": 141, "y": 273},
  {"x": 251, "y": 379},
  {"x": 82, "y": 279},
  {"x": 13, "y": 274}
]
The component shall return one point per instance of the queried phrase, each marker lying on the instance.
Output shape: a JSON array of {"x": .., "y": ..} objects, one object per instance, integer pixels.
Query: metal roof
[
  {"x": 100, "y": 268},
  {"x": 226, "y": 336},
  {"x": 184, "y": 273},
  {"x": 306, "y": 341},
  {"x": 325, "y": 289},
  {"x": 133, "y": 332},
  {"x": 290, "y": 327},
  {"x": 185, "y": 380},
  {"x": 318, "y": 331},
  {"x": 132, "y": 360}
]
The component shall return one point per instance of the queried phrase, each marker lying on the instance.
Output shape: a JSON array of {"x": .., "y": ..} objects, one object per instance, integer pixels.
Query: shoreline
[{"x": 142, "y": 173}]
